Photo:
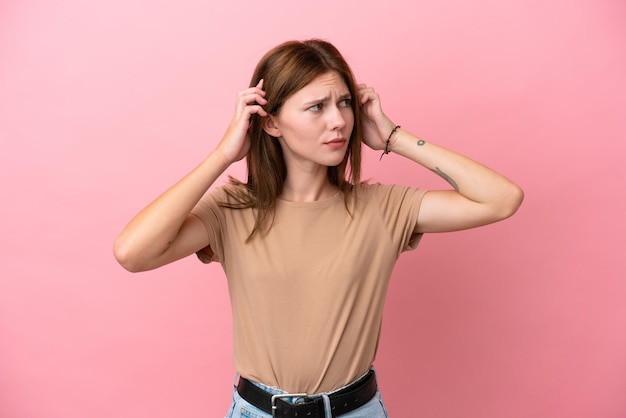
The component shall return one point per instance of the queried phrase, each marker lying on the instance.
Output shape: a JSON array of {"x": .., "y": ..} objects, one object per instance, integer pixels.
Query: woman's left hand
[{"x": 376, "y": 125}]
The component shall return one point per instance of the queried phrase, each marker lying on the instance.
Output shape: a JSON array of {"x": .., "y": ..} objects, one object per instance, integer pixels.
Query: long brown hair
[{"x": 286, "y": 69}]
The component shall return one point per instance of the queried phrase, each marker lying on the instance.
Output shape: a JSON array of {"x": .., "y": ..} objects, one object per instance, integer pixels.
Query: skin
[{"x": 307, "y": 122}]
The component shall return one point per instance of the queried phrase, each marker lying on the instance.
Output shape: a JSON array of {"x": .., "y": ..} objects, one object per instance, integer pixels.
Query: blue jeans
[{"x": 242, "y": 409}]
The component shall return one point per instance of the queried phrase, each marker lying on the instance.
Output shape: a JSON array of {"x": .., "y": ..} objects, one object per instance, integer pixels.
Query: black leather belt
[{"x": 341, "y": 402}]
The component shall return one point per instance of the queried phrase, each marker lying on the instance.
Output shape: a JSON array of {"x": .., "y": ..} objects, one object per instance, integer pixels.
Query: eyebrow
[{"x": 327, "y": 98}]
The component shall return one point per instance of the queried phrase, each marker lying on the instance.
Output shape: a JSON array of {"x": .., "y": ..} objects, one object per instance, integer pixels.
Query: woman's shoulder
[
  {"x": 376, "y": 187},
  {"x": 226, "y": 194},
  {"x": 234, "y": 186},
  {"x": 382, "y": 191}
]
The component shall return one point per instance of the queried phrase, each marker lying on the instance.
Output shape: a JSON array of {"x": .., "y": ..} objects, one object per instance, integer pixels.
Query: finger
[
  {"x": 254, "y": 108},
  {"x": 258, "y": 110},
  {"x": 251, "y": 100},
  {"x": 255, "y": 99},
  {"x": 367, "y": 95},
  {"x": 250, "y": 92},
  {"x": 364, "y": 87},
  {"x": 246, "y": 94},
  {"x": 365, "y": 90}
]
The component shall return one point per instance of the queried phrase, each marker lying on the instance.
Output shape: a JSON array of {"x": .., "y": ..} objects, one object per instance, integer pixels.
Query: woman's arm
[
  {"x": 164, "y": 231},
  {"x": 480, "y": 195}
]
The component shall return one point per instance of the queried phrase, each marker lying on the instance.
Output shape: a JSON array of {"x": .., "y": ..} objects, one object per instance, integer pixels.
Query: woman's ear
[{"x": 270, "y": 128}]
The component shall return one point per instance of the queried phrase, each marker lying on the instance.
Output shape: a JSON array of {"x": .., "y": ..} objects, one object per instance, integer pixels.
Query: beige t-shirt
[{"x": 307, "y": 297}]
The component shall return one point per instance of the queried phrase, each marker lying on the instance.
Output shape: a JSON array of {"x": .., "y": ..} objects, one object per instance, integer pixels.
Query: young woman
[{"x": 308, "y": 249}]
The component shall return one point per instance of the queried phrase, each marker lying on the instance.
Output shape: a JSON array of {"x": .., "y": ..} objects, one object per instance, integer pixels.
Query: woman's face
[{"x": 315, "y": 123}]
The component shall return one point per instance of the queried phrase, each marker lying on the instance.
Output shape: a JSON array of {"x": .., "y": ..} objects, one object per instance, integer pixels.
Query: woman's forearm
[{"x": 471, "y": 179}]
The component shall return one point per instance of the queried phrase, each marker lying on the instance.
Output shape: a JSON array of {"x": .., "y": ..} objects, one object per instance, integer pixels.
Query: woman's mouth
[{"x": 336, "y": 143}]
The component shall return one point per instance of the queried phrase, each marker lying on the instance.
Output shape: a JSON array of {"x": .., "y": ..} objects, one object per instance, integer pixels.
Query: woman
[{"x": 308, "y": 249}]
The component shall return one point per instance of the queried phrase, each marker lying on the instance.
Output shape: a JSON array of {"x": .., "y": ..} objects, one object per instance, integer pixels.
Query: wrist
[
  {"x": 394, "y": 133},
  {"x": 221, "y": 158},
  {"x": 390, "y": 140}
]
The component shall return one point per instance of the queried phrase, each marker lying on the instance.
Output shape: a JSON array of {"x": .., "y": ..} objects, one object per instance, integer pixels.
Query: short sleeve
[
  {"x": 399, "y": 207},
  {"x": 209, "y": 211}
]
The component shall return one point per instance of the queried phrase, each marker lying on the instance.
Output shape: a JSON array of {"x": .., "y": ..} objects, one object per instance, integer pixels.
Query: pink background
[{"x": 105, "y": 104}]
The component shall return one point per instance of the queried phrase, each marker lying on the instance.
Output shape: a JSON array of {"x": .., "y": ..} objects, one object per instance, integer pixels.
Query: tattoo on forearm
[
  {"x": 446, "y": 177},
  {"x": 437, "y": 170}
]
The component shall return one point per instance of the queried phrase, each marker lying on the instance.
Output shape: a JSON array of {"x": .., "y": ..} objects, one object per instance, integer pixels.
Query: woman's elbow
[
  {"x": 511, "y": 201},
  {"x": 124, "y": 255}
]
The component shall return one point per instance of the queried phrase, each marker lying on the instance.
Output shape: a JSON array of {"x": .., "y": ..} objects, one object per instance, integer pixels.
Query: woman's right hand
[{"x": 236, "y": 141}]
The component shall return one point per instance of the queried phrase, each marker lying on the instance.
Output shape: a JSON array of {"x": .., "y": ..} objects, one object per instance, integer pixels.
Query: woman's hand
[
  {"x": 376, "y": 125},
  {"x": 236, "y": 141}
]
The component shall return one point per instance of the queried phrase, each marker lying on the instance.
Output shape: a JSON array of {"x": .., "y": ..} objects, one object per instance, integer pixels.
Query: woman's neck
[{"x": 308, "y": 187}]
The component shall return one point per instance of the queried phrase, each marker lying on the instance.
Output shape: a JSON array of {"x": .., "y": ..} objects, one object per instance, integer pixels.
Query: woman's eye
[
  {"x": 316, "y": 107},
  {"x": 345, "y": 102}
]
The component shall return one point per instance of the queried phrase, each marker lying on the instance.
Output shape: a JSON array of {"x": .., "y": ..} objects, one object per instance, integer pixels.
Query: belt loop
[{"x": 328, "y": 413}]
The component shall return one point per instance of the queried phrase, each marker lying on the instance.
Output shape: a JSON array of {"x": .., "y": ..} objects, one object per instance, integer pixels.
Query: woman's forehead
[{"x": 329, "y": 83}]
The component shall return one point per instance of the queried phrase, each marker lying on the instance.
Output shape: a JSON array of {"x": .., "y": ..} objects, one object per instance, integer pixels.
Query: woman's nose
[{"x": 336, "y": 118}]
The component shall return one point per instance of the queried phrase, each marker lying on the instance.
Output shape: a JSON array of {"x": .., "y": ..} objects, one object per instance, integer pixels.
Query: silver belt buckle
[{"x": 284, "y": 395}]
